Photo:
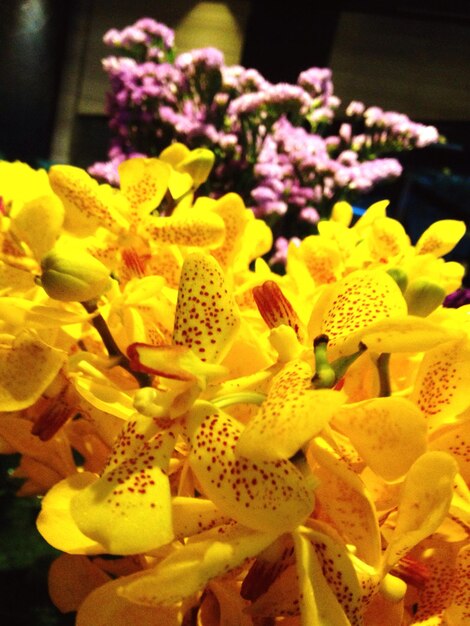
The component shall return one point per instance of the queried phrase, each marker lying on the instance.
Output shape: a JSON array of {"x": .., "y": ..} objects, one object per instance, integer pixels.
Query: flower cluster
[
  {"x": 276, "y": 145},
  {"x": 247, "y": 447}
]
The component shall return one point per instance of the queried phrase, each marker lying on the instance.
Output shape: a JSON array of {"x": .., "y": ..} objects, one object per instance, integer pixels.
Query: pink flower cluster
[{"x": 276, "y": 145}]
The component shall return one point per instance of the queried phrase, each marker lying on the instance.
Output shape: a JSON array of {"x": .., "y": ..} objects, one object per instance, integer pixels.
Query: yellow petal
[
  {"x": 318, "y": 604},
  {"x": 85, "y": 207},
  {"x": 189, "y": 228},
  {"x": 389, "y": 433},
  {"x": 263, "y": 495},
  {"x": 206, "y": 319},
  {"x": 341, "y": 491},
  {"x": 352, "y": 305},
  {"x": 55, "y": 522},
  {"x": 443, "y": 380},
  {"x": 105, "y": 606},
  {"x": 342, "y": 213},
  {"x": 144, "y": 182},
  {"x": 174, "y": 153},
  {"x": 424, "y": 502},
  {"x": 39, "y": 223},
  {"x": 406, "y": 334},
  {"x": 374, "y": 212},
  {"x": 194, "y": 515},
  {"x": 236, "y": 216},
  {"x": 133, "y": 493},
  {"x": 189, "y": 568},
  {"x": 387, "y": 239},
  {"x": 291, "y": 415},
  {"x": 27, "y": 368},
  {"x": 441, "y": 237}
]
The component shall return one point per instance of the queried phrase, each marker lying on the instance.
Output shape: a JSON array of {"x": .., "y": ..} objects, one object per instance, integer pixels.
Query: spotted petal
[
  {"x": 27, "y": 367},
  {"x": 351, "y": 305},
  {"x": 187, "y": 228},
  {"x": 236, "y": 216},
  {"x": 443, "y": 380},
  {"x": 290, "y": 416},
  {"x": 206, "y": 318},
  {"x": 188, "y": 569},
  {"x": 267, "y": 495},
  {"x": 389, "y": 433},
  {"x": 144, "y": 182},
  {"x": 424, "y": 502},
  {"x": 132, "y": 493}
]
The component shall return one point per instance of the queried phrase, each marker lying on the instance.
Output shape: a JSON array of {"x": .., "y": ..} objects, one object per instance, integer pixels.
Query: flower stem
[
  {"x": 111, "y": 346},
  {"x": 383, "y": 363}
]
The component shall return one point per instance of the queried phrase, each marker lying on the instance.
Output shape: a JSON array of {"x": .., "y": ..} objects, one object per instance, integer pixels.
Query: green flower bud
[
  {"x": 73, "y": 276},
  {"x": 198, "y": 165},
  {"x": 399, "y": 276},
  {"x": 423, "y": 296}
]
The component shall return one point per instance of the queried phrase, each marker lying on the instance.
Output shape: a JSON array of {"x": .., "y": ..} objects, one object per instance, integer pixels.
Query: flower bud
[
  {"x": 399, "y": 276},
  {"x": 423, "y": 296},
  {"x": 198, "y": 165},
  {"x": 73, "y": 276}
]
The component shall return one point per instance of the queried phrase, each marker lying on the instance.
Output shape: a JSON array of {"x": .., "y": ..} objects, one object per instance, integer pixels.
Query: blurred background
[{"x": 413, "y": 58}]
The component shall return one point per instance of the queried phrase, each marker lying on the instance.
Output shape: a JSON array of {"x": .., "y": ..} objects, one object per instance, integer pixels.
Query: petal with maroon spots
[
  {"x": 128, "y": 509},
  {"x": 201, "y": 229},
  {"x": 264, "y": 495},
  {"x": 339, "y": 572},
  {"x": 206, "y": 318},
  {"x": 343, "y": 498},
  {"x": 455, "y": 439},
  {"x": 459, "y": 611},
  {"x": 443, "y": 380},
  {"x": 86, "y": 204},
  {"x": 189, "y": 568},
  {"x": 424, "y": 502},
  {"x": 144, "y": 183},
  {"x": 282, "y": 597},
  {"x": 387, "y": 239},
  {"x": 441, "y": 237},
  {"x": 351, "y": 305},
  {"x": 321, "y": 257},
  {"x": 318, "y": 604},
  {"x": 195, "y": 515},
  {"x": 388, "y": 433},
  {"x": 27, "y": 367},
  {"x": 290, "y": 416}
]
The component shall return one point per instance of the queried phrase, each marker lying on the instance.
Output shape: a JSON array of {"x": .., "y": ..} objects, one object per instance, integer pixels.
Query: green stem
[
  {"x": 383, "y": 367},
  {"x": 111, "y": 346}
]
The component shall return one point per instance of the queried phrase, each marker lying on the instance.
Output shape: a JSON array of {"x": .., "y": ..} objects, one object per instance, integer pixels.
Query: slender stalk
[
  {"x": 111, "y": 346},
  {"x": 383, "y": 367}
]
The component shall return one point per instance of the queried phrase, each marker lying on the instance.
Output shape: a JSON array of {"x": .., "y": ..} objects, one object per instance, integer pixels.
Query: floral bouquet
[
  {"x": 217, "y": 444},
  {"x": 277, "y": 145}
]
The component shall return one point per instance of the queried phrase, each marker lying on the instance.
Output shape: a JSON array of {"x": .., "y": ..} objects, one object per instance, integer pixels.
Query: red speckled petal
[
  {"x": 290, "y": 416},
  {"x": 133, "y": 493},
  {"x": 353, "y": 304},
  {"x": 389, "y": 433},
  {"x": 443, "y": 381},
  {"x": 188, "y": 569},
  {"x": 338, "y": 570},
  {"x": 266, "y": 495},
  {"x": 455, "y": 440},
  {"x": 459, "y": 611},
  {"x": 190, "y": 228},
  {"x": 343, "y": 497},
  {"x": 206, "y": 317},
  {"x": 424, "y": 502},
  {"x": 86, "y": 203},
  {"x": 144, "y": 182},
  {"x": 318, "y": 603}
]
